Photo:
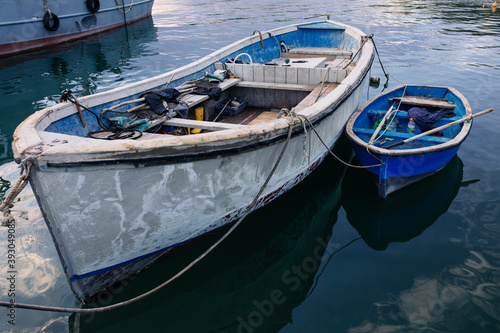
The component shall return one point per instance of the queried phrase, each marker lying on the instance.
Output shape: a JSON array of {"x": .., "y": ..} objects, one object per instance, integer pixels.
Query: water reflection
[
  {"x": 252, "y": 282},
  {"x": 463, "y": 296},
  {"x": 32, "y": 81},
  {"x": 4, "y": 147},
  {"x": 405, "y": 214}
]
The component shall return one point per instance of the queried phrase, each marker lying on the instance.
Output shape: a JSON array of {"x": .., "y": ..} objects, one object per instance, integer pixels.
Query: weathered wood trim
[{"x": 206, "y": 125}]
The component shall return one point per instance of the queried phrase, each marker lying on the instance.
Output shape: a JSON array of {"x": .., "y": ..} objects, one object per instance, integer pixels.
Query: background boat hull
[{"x": 22, "y": 28}]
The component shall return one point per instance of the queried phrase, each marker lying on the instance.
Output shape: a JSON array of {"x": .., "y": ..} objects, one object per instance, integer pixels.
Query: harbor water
[{"x": 329, "y": 255}]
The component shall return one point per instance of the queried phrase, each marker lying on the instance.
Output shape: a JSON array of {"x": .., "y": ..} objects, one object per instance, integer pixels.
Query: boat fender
[
  {"x": 93, "y": 5},
  {"x": 46, "y": 21}
]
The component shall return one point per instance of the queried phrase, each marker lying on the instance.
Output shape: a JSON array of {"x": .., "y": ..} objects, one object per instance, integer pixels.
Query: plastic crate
[{"x": 234, "y": 106}]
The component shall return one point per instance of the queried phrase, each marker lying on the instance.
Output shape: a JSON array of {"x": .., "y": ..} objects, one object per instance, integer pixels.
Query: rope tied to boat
[
  {"x": 118, "y": 132},
  {"x": 306, "y": 120},
  {"x": 123, "y": 4},
  {"x": 292, "y": 116},
  {"x": 249, "y": 209},
  {"x": 22, "y": 181}
]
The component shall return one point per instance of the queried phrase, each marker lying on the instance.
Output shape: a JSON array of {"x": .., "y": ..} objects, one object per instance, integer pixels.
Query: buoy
[
  {"x": 374, "y": 79},
  {"x": 494, "y": 5}
]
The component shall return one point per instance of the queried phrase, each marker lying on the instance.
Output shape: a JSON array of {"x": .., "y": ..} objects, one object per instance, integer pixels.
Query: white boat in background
[
  {"x": 30, "y": 25},
  {"x": 115, "y": 206}
]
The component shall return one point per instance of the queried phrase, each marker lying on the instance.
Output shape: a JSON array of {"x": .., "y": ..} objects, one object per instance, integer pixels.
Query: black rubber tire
[
  {"x": 46, "y": 22},
  {"x": 93, "y": 6}
]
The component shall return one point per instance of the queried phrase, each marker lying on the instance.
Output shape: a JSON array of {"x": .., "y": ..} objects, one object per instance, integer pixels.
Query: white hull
[{"x": 109, "y": 204}]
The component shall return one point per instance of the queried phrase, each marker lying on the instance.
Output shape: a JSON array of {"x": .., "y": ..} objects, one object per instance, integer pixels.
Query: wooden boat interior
[
  {"x": 366, "y": 123},
  {"x": 301, "y": 77},
  {"x": 267, "y": 89}
]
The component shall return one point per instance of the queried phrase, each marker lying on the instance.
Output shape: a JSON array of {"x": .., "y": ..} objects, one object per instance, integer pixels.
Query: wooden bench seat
[
  {"x": 424, "y": 101},
  {"x": 204, "y": 125},
  {"x": 313, "y": 52}
]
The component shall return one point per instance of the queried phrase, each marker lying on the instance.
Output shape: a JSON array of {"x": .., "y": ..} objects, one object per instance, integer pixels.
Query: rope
[
  {"x": 203, "y": 255},
  {"x": 118, "y": 131},
  {"x": 124, "y": 11},
  {"x": 328, "y": 148},
  {"x": 18, "y": 187}
]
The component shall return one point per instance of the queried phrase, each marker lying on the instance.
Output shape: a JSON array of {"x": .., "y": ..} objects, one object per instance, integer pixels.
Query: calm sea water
[{"x": 329, "y": 256}]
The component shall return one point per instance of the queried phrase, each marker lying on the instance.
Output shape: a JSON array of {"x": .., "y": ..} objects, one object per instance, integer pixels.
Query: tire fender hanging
[
  {"x": 93, "y": 5},
  {"x": 46, "y": 21}
]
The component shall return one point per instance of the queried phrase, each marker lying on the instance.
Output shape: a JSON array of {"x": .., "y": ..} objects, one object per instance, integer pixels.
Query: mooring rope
[
  {"x": 181, "y": 272},
  {"x": 300, "y": 116},
  {"x": 18, "y": 187}
]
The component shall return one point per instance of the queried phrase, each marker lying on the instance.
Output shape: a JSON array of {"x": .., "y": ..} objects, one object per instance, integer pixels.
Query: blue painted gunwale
[{"x": 406, "y": 164}]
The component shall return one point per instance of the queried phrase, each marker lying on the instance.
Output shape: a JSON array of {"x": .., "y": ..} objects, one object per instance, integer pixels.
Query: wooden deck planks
[
  {"x": 318, "y": 92},
  {"x": 264, "y": 117}
]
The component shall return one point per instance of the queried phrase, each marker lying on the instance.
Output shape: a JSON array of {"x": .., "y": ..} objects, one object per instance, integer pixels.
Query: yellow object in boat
[
  {"x": 198, "y": 113},
  {"x": 494, "y": 5}
]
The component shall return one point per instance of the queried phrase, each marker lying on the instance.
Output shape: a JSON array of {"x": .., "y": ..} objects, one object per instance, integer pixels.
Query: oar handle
[{"x": 437, "y": 129}]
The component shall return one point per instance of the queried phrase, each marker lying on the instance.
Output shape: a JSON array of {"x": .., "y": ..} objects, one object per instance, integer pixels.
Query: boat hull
[
  {"x": 398, "y": 172},
  {"x": 22, "y": 27},
  {"x": 153, "y": 206},
  {"x": 115, "y": 206}
]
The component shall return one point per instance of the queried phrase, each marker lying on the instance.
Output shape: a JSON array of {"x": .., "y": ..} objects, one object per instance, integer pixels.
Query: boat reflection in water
[
  {"x": 251, "y": 282},
  {"x": 404, "y": 215}
]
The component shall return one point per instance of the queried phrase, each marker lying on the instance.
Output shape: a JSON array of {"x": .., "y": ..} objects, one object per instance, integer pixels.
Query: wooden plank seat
[
  {"x": 402, "y": 136},
  {"x": 400, "y": 114},
  {"x": 424, "y": 101},
  {"x": 403, "y": 116},
  {"x": 330, "y": 53},
  {"x": 204, "y": 125}
]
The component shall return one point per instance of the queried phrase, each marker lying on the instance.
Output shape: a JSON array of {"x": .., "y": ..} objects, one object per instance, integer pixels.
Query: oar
[
  {"x": 379, "y": 127},
  {"x": 437, "y": 129}
]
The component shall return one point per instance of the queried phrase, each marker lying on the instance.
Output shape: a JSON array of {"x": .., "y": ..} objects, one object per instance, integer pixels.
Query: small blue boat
[{"x": 391, "y": 155}]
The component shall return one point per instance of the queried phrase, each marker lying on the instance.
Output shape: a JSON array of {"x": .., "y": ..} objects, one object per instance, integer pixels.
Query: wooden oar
[{"x": 437, "y": 129}]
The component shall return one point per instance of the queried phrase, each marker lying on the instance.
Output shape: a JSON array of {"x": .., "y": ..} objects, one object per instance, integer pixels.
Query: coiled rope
[{"x": 194, "y": 262}]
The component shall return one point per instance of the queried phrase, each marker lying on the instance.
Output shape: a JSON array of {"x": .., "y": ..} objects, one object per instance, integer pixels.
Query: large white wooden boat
[
  {"x": 34, "y": 24},
  {"x": 115, "y": 206}
]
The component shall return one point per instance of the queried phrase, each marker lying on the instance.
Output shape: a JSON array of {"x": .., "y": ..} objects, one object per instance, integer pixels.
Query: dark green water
[{"x": 329, "y": 256}]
